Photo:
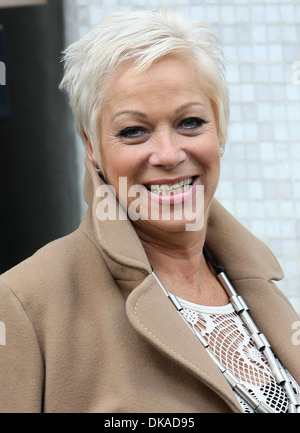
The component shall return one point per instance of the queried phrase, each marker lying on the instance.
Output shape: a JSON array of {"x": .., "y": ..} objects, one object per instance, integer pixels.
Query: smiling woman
[{"x": 101, "y": 335}]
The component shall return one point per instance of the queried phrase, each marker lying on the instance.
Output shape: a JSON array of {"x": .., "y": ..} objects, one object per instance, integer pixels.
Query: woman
[{"x": 89, "y": 322}]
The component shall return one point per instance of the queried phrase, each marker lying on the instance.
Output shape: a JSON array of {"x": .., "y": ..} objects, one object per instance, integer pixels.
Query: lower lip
[{"x": 175, "y": 198}]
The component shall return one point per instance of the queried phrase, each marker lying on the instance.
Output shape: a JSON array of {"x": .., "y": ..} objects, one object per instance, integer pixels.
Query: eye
[
  {"x": 192, "y": 123},
  {"x": 132, "y": 133}
]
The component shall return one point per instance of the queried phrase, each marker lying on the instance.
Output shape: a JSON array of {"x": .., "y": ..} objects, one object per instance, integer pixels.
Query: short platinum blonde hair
[{"x": 142, "y": 37}]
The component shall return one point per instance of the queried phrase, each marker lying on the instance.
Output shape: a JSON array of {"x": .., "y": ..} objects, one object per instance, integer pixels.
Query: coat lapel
[{"x": 155, "y": 318}]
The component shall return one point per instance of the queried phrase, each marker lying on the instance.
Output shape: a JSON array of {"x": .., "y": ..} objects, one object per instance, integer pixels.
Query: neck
[
  {"x": 178, "y": 261},
  {"x": 164, "y": 249},
  {"x": 163, "y": 256}
]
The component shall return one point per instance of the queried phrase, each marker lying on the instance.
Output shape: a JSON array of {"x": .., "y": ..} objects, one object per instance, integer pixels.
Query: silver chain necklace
[{"x": 257, "y": 337}]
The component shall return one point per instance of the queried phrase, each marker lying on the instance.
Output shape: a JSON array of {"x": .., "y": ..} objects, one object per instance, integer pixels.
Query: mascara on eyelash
[{"x": 128, "y": 129}]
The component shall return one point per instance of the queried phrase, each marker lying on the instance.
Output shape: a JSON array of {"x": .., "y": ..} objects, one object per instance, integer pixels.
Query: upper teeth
[{"x": 166, "y": 188}]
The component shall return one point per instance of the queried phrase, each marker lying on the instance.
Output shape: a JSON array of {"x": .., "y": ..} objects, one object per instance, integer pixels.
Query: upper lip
[{"x": 168, "y": 180}]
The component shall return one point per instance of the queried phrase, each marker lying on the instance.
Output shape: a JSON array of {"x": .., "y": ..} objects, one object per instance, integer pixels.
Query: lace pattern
[{"x": 231, "y": 343}]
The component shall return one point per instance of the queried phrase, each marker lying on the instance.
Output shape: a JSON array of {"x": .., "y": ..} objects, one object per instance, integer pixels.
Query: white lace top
[{"x": 231, "y": 343}]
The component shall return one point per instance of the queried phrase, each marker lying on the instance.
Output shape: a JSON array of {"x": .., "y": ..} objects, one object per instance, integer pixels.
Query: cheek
[
  {"x": 207, "y": 151},
  {"x": 124, "y": 161}
]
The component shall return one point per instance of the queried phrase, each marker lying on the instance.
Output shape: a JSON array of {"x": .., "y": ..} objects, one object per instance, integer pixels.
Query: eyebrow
[
  {"x": 187, "y": 105},
  {"x": 139, "y": 113},
  {"x": 136, "y": 113}
]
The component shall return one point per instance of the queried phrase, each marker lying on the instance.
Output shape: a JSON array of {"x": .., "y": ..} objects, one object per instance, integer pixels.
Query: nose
[{"x": 167, "y": 151}]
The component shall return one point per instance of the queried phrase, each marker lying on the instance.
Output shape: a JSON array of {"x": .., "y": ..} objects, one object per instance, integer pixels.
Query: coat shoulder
[{"x": 50, "y": 269}]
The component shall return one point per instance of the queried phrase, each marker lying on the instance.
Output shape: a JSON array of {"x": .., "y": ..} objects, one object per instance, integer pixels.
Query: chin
[{"x": 169, "y": 226}]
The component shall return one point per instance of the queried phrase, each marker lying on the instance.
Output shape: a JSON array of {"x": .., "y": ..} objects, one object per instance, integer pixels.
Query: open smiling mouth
[{"x": 168, "y": 189}]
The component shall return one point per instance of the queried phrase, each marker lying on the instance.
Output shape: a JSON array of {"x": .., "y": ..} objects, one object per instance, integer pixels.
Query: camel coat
[{"x": 88, "y": 329}]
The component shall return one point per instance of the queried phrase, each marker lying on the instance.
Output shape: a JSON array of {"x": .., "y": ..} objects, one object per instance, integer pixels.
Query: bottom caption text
[{"x": 145, "y": 421}]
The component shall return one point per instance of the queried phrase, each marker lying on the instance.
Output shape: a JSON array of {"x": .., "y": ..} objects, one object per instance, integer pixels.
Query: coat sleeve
[{"x": 21, "y": 364}]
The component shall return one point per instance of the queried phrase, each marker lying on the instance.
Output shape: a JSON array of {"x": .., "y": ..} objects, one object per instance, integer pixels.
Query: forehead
[{"x": 172, "y": 77}]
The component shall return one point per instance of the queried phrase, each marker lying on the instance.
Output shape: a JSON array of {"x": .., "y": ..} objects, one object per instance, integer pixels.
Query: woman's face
[{"x": 157, "y": 130}]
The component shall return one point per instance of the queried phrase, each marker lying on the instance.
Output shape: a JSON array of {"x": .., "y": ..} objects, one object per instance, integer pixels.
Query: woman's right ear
[{"x": 89, "y": 150}]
